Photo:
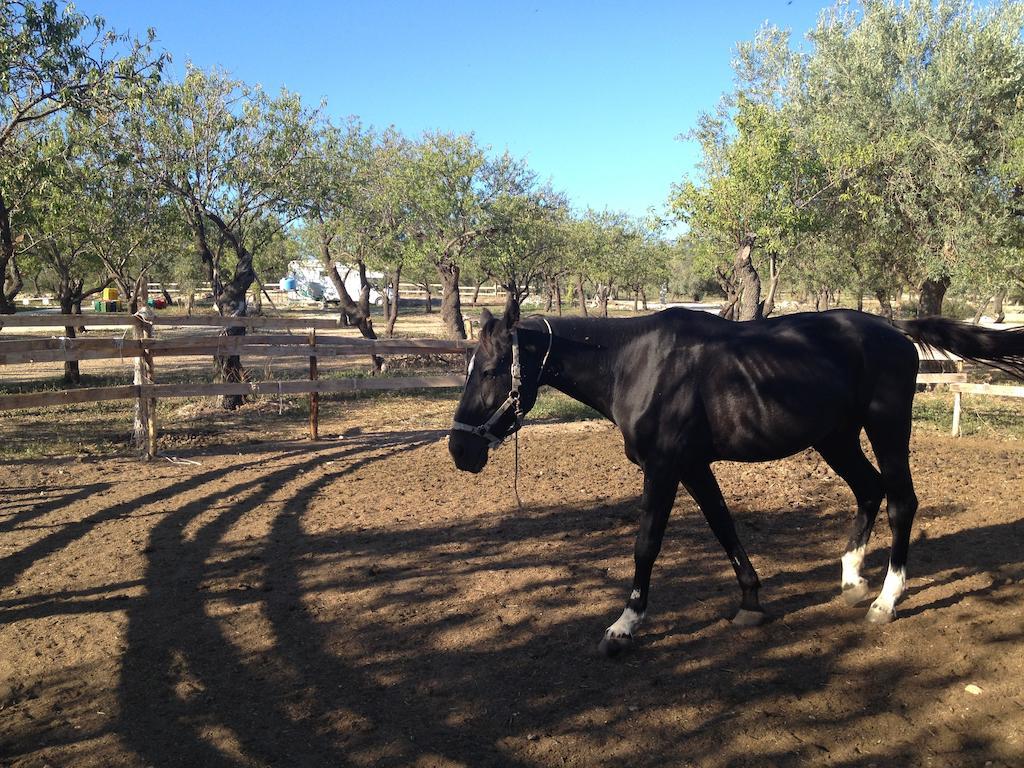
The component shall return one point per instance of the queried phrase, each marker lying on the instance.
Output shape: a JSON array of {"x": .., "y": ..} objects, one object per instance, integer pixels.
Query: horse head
[{"x": 501, "y": 388}]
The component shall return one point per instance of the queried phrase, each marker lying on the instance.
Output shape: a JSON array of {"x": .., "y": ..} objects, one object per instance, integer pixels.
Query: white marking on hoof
[
  {"x": 854, "y": 594},
  {"x": 878, "y": 615},
  {"x": 634, "y": 595},
  {"x": 745, "y": 618},
  {"x": 628, "y": 621},
  {"x": 892, "y": 590},
  {"x": 852, "y": 562}
]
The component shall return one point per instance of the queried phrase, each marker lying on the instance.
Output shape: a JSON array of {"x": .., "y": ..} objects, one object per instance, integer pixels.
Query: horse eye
[{"x": 490, "y": 374}]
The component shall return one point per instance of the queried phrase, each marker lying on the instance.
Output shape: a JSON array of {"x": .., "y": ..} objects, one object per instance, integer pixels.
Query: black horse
[{"x": 688, "y": 388}]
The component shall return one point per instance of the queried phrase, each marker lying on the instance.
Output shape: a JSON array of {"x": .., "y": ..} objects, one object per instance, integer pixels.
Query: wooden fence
[
  {"x": 957, "y": 383},
  {"x": 145, "y": 350}
]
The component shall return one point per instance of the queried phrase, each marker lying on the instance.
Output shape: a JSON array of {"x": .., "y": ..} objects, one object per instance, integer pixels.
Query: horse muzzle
[{"x": 469, "y": 451}]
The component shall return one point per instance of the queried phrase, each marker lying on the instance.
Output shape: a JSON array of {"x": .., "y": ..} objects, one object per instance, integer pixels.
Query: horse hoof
[
  {"x": 745, "y": 618},
  {"x": 878, "y": 615},
  {"x": 612, "y": 645},
  {"x": 855, "y": 593}
]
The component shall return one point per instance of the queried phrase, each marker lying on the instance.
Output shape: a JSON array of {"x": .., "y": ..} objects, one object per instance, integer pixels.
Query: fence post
[
  {"x": 957, "y": 403},
  {"x": 314, "y": 397},
  {"x": 145, "y": 409}
]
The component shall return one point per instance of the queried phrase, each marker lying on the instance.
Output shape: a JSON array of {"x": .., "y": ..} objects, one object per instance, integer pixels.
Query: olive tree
[
  {"x": 53, "y": 60},
  {"x": 230, "y": 157}
]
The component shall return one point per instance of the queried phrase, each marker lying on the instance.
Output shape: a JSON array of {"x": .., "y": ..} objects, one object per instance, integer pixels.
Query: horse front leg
[{"x": 659, "y": 494}]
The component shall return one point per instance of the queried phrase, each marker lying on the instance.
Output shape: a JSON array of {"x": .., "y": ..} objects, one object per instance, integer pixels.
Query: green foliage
[
  {"x": 887, "y": 152},
  {"x": 231, "y": 158},
  {"x": 54, "y": 62},
  {"x": 526, "y": 243}
]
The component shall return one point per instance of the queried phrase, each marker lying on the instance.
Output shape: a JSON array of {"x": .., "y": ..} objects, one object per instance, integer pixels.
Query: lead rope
[{"x": 515, "y": 475}]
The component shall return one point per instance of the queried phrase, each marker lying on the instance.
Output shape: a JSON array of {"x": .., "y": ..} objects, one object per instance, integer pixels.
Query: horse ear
[
  {"x": 485, "y": 318},
  {"x": 511, "y": 316}
]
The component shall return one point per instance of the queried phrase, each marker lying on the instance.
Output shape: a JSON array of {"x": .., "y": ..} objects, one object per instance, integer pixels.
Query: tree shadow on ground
[{"x": 473, "y": 642}]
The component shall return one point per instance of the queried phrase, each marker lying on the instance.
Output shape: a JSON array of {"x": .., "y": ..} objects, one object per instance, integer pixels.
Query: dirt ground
[{"x": 358, "y": 602}]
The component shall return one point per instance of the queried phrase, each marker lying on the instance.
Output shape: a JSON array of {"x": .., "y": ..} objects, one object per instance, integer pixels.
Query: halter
[{"x": 512, "y": 402}]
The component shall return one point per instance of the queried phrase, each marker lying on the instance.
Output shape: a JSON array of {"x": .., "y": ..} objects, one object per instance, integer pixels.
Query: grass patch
[
  {"x": 981, "y": 415},
  {"x": 552, "y": 405}
]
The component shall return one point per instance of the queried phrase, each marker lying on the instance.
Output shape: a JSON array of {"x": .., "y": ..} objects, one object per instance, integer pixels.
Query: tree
[
  {"x": 61, "y": 234},
  {"x": 600, "y": 241},
  {"x": 335, "y": 175},
  {"x": 908, "y": 102},
  {"x": 231, "y": 157},
  {"x": 873, "y": 159},
  {"x": 526, "y": 241},
  {"x": 454, "y": 189},
  {"x": 644, "y": 263},
  {"x": 53, "y": 60},
  {"x": 757, "y": 191}
]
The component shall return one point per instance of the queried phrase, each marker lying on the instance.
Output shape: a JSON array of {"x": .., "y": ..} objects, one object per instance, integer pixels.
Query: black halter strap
[{"x": 512, "y": 402}]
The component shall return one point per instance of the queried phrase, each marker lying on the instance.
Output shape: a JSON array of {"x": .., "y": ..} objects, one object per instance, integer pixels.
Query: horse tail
[{"x": 1003, "y": 349}]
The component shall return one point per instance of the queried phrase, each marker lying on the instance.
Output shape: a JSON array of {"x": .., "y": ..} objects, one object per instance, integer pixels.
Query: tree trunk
[
  {"x": 357, "y": 313},
  {"x": 603, "y": 293},
  {"x": 982, "y": 305},
  {"x": 476, "y": 290},
  {"x": 748, "y": 282},
  {"x": 731, "y": 291},
  {"x": 429, "y": 303},
  {"x": 230, "y": 303},
  {"x": 10, "y": 277},
  {"x": 930, "y": 300},
  {"x": 72, "y": 375},
  {"x": 773, "y": 285},
  {"x": 885, "y": 303},
  {"x": 860, "y": 299},
  {"x": 393, "y": 314},
  {"x": 821, "y": 300},
  {"x": 643, "y": 299},
  {"x": 76, "y": 308},
  {"x": 636, "y": 301},
  {"x": 558, "y": 297},
  {"x": 229, "y": 298},
  {"x": 997, "y": 305},
  {"x": 549, "y": 299},
  {"x": 451, "y": 303},
  {"x": 581, "y": 294}
]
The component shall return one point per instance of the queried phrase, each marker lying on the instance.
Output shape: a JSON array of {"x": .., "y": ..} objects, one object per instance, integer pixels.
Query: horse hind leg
[
  {"x": 843, "y": 453},
  {"x": 891, "y": 443}
]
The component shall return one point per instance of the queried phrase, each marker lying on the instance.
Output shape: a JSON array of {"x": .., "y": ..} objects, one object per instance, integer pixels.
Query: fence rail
[
  {"x": 62, "y": 349},
  {"x": 290, "y": 387},
  {"x": 97, "y": 320},
  {"x": 144, "y": 349}
]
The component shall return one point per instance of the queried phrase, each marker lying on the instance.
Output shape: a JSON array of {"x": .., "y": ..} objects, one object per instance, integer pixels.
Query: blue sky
[{"x": 592, "y": 94}]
